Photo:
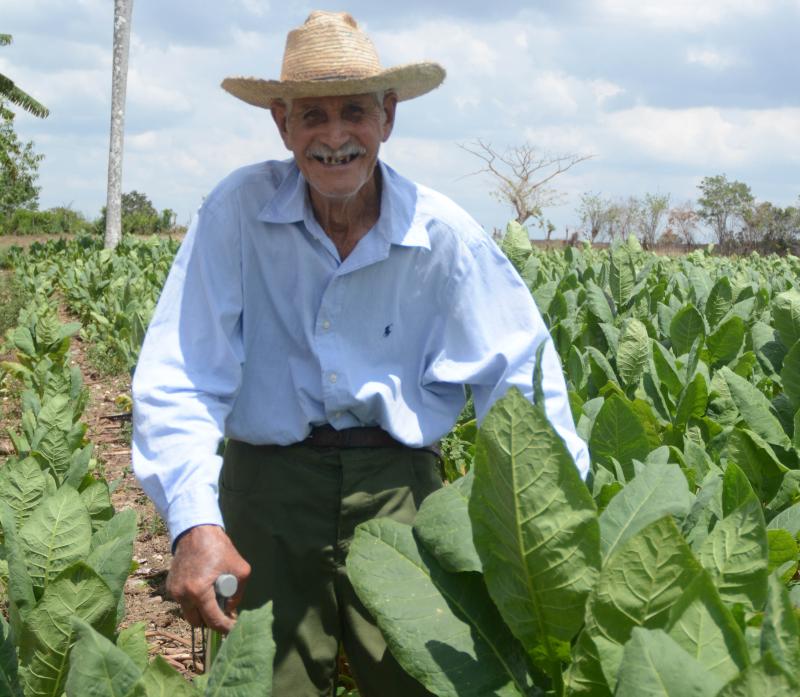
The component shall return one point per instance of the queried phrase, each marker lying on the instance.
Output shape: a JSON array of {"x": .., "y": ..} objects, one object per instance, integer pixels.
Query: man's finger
[{"x": 213, "y": 617}]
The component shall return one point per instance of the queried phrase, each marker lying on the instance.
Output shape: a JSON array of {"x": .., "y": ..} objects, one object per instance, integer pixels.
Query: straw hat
[{"x": 331, "y": 56}]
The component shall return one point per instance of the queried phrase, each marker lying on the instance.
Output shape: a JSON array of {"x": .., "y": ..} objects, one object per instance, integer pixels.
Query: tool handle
[{"x": 225, "y": 587}]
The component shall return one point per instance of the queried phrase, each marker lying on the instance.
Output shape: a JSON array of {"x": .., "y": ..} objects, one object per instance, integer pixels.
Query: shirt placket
[{"x": 327, "y": 333}]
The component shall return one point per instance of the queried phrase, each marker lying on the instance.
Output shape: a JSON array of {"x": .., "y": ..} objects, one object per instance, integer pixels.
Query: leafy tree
[
  {"x": 9, "y": 91},
  {"x": 522, "y": 175},
  {"x": 770, "y": 228},
  {"x": 724, "y": 206},
  {"x": 19, "y": 168},
  {"x": 139, "y": 216}
]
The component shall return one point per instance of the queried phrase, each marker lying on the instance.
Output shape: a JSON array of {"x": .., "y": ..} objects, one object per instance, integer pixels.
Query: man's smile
[{"x": 335, "y": 160}]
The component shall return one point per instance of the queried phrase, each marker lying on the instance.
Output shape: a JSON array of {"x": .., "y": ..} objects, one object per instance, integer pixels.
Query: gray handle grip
[{"x": 225, "y": 587}]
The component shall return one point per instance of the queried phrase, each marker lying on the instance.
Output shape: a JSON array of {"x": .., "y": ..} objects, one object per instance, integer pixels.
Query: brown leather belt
[{"x": 326, "y": 436}]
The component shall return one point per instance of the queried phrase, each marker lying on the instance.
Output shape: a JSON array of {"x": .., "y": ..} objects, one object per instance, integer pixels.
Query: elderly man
[{"x": 324, "y": 314}]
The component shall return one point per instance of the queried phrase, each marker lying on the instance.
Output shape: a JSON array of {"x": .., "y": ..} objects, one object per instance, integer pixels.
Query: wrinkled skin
[{"x": 201, "y": 555}]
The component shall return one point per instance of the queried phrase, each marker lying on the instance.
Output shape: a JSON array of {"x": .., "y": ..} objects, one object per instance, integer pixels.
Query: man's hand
[{"x": 202, "y": 554}]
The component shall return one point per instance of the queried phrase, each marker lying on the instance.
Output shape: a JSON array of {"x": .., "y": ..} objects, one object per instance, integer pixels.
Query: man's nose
[{"x": 336, "y": 133}]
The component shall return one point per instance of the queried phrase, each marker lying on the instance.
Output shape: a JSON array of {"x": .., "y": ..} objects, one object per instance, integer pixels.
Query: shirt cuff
[{"x": 199, "y": 506}]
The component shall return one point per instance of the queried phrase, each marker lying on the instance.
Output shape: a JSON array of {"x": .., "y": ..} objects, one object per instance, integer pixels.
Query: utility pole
[{"x": 119, "y": 81}]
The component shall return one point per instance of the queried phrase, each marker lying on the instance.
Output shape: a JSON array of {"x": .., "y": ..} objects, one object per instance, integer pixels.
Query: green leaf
[
  {"x": 788, "y": 519},
  {"x": 443, "y": 526},
  {"x": 780, "y": 631},
  {"x": 598, "y": 304},
  {"x": 790, "y": 375},
  {"x": 702, "y": 626},
  {"x": 786, "y": 316},
  {"x": 584, "y": 677},
  {"x": 637, "y": 586},
  {"x": 666, "y": 369},
  {"x": 243, "y": 667},
  {"x": 761, "y": 679},
  {"x": 442, "y": 628},
  {"x": 516, "y": 244},
  {"x": 123, "y": 525},
  {"x": 57, "y": 534},
  {"x": 736, "y": 489},
  {"x": 782, "y": 550},
  {"x": 22, "y": 487},
  {"x": 22, "y": 339},
  {"x": 735, "y": 554},
  {"x": 162, "y": 680},
  {"x": 618, "y": 433},
  {"x": 100, "y": 669},
  {"x": 654, "y": 664},
  {"x": 622, "y": 276},
  {"x": 133, "y": 642},
  {"x": 656, "y": 491},
  {"x": 755, "y": 409},
  {"x": 686, "y": 326},
  {"x": 9, "y": 678},
  {"x": 112, "y": 561},
  {"x": 758, "y": 461},
  {"x": 48, "y": 633},
  {"x": 693, "y": 401},
  {"x": 720, "y": 301},
  {"x": 633, "y": 352},
  {"x": 97, "y": 500},
  {"x": 534, "y": 525},
  {"x": 599, "y": 367},
  {"x": 724, "y": 344},
  {"x": 20, "y": 586}
]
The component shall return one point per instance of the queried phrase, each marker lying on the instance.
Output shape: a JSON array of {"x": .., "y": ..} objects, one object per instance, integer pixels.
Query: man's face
[{"x": 335, "y": 140}]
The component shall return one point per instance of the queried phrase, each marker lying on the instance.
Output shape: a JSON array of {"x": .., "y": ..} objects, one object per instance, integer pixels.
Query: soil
[{"x": 109, "y": 430}]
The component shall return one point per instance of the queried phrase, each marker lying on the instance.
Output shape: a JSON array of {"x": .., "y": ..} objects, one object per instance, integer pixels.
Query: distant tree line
[{"x": 738, "y": 223}]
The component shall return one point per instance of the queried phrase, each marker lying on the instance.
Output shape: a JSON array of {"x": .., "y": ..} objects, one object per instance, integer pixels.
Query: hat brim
[{"x": 407, "y": 82}]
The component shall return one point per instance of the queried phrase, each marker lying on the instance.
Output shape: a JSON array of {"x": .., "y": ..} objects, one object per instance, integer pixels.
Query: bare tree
[
  {"x": 119, "y": 80},
  {"x": 651, "y": 213},
  {"x": 522, "y": 176},
  {"x": 682, "y": 222}
]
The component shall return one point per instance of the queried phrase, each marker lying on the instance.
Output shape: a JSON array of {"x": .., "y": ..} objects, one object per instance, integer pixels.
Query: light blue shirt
[{"x": 262, "y": 331}]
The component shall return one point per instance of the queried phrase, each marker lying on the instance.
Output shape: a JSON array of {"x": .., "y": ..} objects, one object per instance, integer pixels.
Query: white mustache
[{"x": 319, "y": 150}]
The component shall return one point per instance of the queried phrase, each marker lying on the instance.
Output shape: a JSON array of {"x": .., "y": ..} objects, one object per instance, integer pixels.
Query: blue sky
[{"x": 661, "y": 93}]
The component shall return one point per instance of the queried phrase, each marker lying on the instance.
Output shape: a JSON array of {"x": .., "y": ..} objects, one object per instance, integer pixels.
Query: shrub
[
  {"x": 59, "y": 220},
  {"x": 139, "y": 217}
]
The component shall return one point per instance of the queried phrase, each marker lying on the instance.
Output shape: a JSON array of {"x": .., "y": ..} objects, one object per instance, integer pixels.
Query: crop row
[
  {"x": 677, "y": 566},
  {"x": 66, "y": 553}
]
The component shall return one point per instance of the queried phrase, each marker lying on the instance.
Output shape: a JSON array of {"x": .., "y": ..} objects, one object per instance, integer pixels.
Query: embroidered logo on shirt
[{"x": 387, "y": 330}]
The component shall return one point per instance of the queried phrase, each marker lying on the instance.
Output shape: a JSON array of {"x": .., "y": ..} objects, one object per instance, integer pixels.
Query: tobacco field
[{"x": 672, "y": 571}]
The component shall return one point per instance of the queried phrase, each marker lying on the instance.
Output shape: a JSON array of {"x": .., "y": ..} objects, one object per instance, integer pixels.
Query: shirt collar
[{"x": 399, "y": 221}]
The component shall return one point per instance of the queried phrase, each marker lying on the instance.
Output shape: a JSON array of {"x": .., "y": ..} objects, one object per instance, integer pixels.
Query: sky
[{"x": 660, "y": 93}]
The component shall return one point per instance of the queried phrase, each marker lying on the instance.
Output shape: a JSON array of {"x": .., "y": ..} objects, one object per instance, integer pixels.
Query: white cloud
[
  {"x": 706, "y": 136},
  {"x": 711, "y": 58},
  {"x": 689, "y": 15}
]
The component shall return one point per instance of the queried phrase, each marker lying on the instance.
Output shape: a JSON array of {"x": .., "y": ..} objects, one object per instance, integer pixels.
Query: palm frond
[{"x": 9, "y": 91}]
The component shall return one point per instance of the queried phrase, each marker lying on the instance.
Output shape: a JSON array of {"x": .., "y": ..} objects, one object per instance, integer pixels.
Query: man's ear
[
  {"x": 389, "y": 108},
  {"x": 278, "y": 110}
]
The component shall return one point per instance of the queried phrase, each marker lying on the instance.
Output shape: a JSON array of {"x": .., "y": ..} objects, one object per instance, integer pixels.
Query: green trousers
[{"x": 291, "y": 512}]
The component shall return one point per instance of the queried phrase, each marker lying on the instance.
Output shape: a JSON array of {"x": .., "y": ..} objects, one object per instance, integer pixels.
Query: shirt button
[
  {"x": 326, "y": 324},
  {"x": 333, "y": 377},
  {"x": 338, "y": 414}
]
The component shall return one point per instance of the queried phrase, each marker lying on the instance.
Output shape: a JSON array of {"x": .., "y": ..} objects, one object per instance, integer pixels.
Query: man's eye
[
  {"x": 353, "y": 112},
  {"x": 312, "y": 116}
]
